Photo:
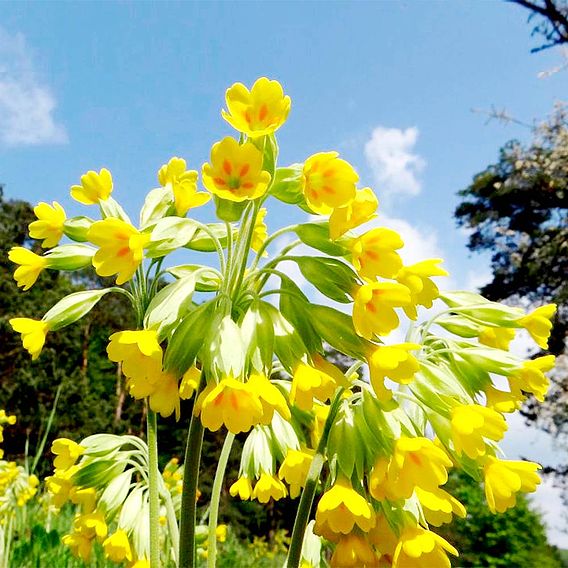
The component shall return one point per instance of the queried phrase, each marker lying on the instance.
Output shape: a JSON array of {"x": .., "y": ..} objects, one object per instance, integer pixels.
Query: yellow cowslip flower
[
  {"x": 505, "y": 478},
  {"x": 320, "y": 414},
  {"x": 383, "y": 538},
  {"x": 94, "y": 187},
  {"x": 49, "y": 225},
  {"x": 79, "y": 544},
  {"x": 531, "y": 378},
  {"x": 260, "y": 231},
  {"x": 31, "y": 266},
  {"x": 270, "y": 398},
  {"x": 85, "y": 497},
  {"x": 138, "y": 351},
  {"x": 373, "y": 309},
  {"x": 121, "y": 248},
  {"x": 183, "y": 183},
  {"x": 117, "y": 547},
  {"x": 235, "y": 172},
  {"x": 33, "y": 333},
  {"x": 268, "y": 487},
  {"x": 354, "y": 551},
  {"x": 67, "y": 452},
  {"x": 503, "y": 401},
  {"x": 328, "y": 182},
  {"x": 377, "y": 480},
  {"x": 417, "y": 462},
  {"x": 189, "y": 383},
  {"x": 7, "y": 418},
  {"x": 314, "y": 381},
  {"x": 416, "y": 278},
  {"x": 257, "y": 112},
  {"x": 92, "y": 525},
  {"x": 373, "y": 253},
  {"x": 392, "y": 361},
  {"x": 471, "y": 423},
  {"x": 231, "y": 403},
  {"x": 538, "y": 324},
  {"x": 221, "y": 533},
  {"x": 341, "y": 508},
  {"x": 438, "y": 506},
  {"x": 294, "y": 469},
  {"x": 359, "y": 211},
  {"x": 242, "y": 487},
  {"x": 140, "y": 563},
  {"x": 419, "y": 547},
  {"x": 497, "y": 337},
  {"x": 164, "y": 398},
  {"x": 60, "y": 484}
]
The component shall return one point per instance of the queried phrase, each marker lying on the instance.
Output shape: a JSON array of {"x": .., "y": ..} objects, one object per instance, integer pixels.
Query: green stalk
[
  {"x": 153, "y": 479},
  {"x": 308, "y": 494},
  {"x": 189, "y": 493},
  {"x": 215, "y": 498}
]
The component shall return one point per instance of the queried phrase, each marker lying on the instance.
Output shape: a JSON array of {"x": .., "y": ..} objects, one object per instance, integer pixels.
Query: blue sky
[{"x": 390, "y": 85}]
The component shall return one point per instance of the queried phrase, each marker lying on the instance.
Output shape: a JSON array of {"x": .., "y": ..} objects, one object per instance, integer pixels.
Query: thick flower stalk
[{"x": 239, "y": 337}]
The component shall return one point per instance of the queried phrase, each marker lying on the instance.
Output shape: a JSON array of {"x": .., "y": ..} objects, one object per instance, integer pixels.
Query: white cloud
[
  {"x": 26, "y": 103},
  {"x": 390, "y": 154}
]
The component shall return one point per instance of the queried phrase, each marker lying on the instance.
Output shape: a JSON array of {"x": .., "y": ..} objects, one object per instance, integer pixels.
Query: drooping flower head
[
  {"x": 354, "y": 551},
  {"x": 31, "y": 266},
  {"x": 270, "y": 398},
  {"x": 33, "y": 333},
  {"x": 117, "y": 547},
  {"x": 67, "y": 452},
  {"x": 328, "y": 182},
  {"x": 121, "y": 248},
  {"x": 268, "y": 487},
  {"x": 94, "y": 187},
  {"x": 138, "y": 351},
  {"x": 242, "y": 487},
  {"x": 373, "y": 309},
  {"x": 294, "y": 469},
  {"x": 373, "y": 253},
  {"x": 530, "y": 377},
  {"x": 497, "y": 337},
  {"x": 538, "y": 324},
  {"x": 49, "y": 224},
  {"x": 420, "y": 547},
  {"x": 355, "y": 213},
  {"x": 235, "y": 172},
  {"x": 257, "y": 112},
  {"x": 439, "y": 506},
  {"x": 183, "y": 183}
]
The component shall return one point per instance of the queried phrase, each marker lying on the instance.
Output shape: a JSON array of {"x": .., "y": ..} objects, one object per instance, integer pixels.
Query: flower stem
[
  {"x": 215, "y": 498},
  {"x": 153, "y": 473},
  {"x": 308, "y": 494},
  {"x": 189, "y": 492}
]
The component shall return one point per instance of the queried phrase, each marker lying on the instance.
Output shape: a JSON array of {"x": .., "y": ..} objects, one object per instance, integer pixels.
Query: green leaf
[
  {"x": 76, "y": 228},
  {"x": 111, "y": 208},
  {"x": 169, "y": 234},
  {"x": 225, "y": 350},
  {"x": 169, "y": 305},
  {"x": 201, "y": 241},
  {"x": 316, "y": 235},
  {"x": 156, "y": 206},
  {"x": 73, "y": 307},
  {"x": 206, "y": 279},
  {"x": 257, "y": 332},
  {"x": 331, "y": 277},
  {"x": 287, "y": 186},
  {"x": 228, "y": 210},
  {"x": 70, "y": 257}
]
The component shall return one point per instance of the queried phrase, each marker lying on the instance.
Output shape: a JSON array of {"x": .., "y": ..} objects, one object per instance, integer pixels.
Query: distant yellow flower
[
  {"x": 294, "y": 469},
  {"x": 221, "y": 533},
  {"x": 497, "y": 337},
  {"x": 505, "y": 478},
  {"x": 341, "y": 508},
  {"x": 373, "y": 253},
  {"x": 373, "y": 309},
  {"x": 189, "y": 383},
  {"x": 419, "y": 547},
  {"x": 231, "y": 403},
  {"x": 355, "y": 213},
  {"x": 121, "y": 248},
  {"x": 242, "y": 487},
  {"x": 416, "y": 278},
  {"x": 260, "y": 230},
  {"x": 538, "y": 324},
  {"x": 183, "y": 184},
  {"x": 33, "y": 333},
  {"x": 67, "y": 452},
  {"x": 395, "y": 362},
  {"x": 354, "y": 551},
  {"x": 31, "y": 266},
  {"x": 257, "y": 112},
  {"x": 117, "y": 547},
  {"x": 417, "y": 462},
  {"x": 328, "y": 182},
  {"x": 270, "y": 398},
  {"x": 138, "y": 351},
  {"x": 472, "y": 423},
  {"x": 79, "y": 544},
  {"x": 94, "y": 187},
  {"x": 49, "y": 225},
  {"x": 268, "y": 487},
  {"x": 235, "y": 172},
  {"x": 438, "y": 506},
  {"x": 503, "y": 401},
  {"x": 531, "y": 378}
]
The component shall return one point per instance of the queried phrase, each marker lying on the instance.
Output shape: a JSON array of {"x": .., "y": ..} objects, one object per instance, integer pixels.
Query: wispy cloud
[
  {"x": 26, "y": 102},
  {"x": 396, "y": 168}
]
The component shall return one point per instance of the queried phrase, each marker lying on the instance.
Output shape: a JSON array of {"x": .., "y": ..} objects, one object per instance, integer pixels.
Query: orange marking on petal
[
  {"x": 247, "y": 185},
  {"x": 220, "y": 181},
  {"x": 218, "y": 400},
  {"x": 248, "y": 117},
  {"x": 227, "y": 167},
  {"x": 328, "y": 190},
  {"x": 123, "y": 251},
  {"x": 371, "y": 254},
  {"x": 244, "y": 170},
  {"x": 416, "y": 459},
  {"x": 262, "y": 112},
  {"x": 234, "y": 401},
  {"x": 328, "y": 173},
  {"x": 371, "y": 308}
]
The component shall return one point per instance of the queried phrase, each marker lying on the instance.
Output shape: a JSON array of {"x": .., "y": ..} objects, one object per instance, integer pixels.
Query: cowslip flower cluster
[{"x": 240, "y": 337}]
